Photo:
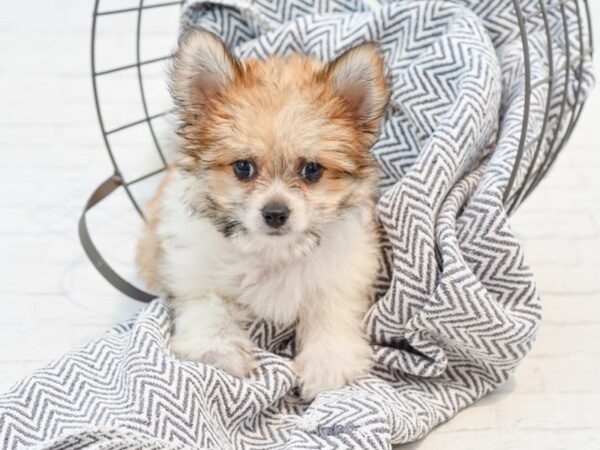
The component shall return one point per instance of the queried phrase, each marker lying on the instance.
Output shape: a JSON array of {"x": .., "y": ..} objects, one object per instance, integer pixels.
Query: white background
[{"x": 52, "y": 300}]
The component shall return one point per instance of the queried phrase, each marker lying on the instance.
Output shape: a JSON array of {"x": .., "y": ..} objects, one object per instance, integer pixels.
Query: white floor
[{"x": 52, "y": 300}]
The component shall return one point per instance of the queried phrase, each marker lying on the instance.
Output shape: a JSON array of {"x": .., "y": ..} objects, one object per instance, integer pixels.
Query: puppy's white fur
[{"x": 217, "y": 288}]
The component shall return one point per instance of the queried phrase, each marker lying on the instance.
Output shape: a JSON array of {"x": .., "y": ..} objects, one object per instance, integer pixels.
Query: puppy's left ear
[
  {"x": 358, "y": 77},
  {"x": 202, "y": 69}
]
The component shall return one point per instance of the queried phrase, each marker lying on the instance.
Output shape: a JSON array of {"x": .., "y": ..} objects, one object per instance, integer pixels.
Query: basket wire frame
[
  {"x": 514, "y": 193},
  {"x": 513, "y": 197},
  {"x": 137, "y": 65}
]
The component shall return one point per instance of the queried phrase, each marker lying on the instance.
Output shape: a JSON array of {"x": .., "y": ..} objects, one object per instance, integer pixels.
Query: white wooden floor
[{"x": 52, "y": 300}]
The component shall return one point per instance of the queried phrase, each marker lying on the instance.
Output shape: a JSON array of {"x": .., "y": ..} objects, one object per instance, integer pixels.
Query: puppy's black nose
[{"x": 275, "y": 214}]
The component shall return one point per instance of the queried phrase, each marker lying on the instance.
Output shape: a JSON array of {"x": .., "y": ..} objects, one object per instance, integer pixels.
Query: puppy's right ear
[{"x": 202, "y": 68}]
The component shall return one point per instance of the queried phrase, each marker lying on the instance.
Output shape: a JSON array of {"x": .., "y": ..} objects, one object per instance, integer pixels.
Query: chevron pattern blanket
[{"x": 456, "y": 306}]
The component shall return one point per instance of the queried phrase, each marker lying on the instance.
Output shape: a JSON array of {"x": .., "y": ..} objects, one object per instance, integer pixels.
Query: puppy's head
[{"x": 277, "y": 150}]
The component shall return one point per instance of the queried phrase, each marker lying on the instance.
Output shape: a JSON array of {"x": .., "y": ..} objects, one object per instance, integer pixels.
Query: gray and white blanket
[{"x": 456, "y": 307}]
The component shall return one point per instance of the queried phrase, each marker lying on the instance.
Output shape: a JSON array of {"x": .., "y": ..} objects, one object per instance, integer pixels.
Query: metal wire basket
[{"x": 142, "y": 22}]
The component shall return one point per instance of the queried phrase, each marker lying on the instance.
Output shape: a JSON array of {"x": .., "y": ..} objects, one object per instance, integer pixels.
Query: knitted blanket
[{"x": 456, "y": 307}]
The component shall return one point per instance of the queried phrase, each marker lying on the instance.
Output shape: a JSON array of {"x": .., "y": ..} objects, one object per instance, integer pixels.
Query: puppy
[{"x": 269, "y": 212}]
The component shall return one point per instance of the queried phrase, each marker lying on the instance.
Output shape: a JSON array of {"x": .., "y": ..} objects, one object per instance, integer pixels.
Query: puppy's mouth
[{"x": 278, "y": 232}]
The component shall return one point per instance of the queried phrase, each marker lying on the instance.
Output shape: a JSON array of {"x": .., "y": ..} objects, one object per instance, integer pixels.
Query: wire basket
[{"x": 141, "y": 117}]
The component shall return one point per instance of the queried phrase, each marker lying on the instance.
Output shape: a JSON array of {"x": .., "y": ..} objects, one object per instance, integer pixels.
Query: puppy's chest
[{"x": 270, "y": 292}]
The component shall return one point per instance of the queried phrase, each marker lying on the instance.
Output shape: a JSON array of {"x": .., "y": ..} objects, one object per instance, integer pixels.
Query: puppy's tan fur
[{"x": 206, "y": 244}]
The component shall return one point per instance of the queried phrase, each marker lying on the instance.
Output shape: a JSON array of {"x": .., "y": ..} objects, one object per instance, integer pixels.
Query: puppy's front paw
[
  {"x": 233, "y": 356},
  {"x": 327, "y": 367}
]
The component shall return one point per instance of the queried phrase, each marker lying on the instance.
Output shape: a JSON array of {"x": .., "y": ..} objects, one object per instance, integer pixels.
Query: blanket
[{"x": 455, "y": 307}]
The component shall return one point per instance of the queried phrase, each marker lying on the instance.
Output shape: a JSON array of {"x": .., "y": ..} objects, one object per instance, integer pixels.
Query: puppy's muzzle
[{"x": 275, "y": 214}]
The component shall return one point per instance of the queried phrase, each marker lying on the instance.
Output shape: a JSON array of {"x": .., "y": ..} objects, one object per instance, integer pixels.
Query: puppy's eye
[
  {"x": 311, "y": 172},
  {"x": 244, "y": 169}
]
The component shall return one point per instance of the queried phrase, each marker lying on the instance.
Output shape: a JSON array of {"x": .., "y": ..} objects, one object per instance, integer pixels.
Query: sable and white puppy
[{"x": 269, "y": 213}]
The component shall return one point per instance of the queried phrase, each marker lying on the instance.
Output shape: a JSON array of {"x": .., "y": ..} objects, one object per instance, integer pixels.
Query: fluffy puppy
[{"x": 269, "y": 212}]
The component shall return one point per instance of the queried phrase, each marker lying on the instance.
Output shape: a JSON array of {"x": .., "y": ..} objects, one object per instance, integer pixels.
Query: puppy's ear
[
  {"x": 202, "y": 68},
  {"x": 358, "y": 78}
]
